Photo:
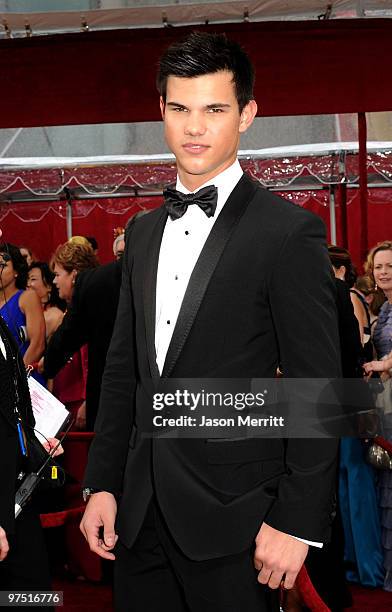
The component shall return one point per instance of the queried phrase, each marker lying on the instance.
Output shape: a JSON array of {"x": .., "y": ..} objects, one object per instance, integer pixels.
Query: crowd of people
[
  {"x": 36, "y": 302},
  {"x": 363, "y": 491},
  {"x": 54, "y": 333}
]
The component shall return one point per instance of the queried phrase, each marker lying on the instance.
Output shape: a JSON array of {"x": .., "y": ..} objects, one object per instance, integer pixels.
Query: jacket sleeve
[
  {"x": 303, "y": 306},
  {"x": 71, "y": 335}
]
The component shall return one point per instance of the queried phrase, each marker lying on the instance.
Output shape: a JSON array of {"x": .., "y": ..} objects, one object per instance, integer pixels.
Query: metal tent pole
[
  {"x": 332, "y": 214},
  {"x": 342, "y": 194},
  {"x": 69, "y": 212},
  {"x": 363, "y": 187}
]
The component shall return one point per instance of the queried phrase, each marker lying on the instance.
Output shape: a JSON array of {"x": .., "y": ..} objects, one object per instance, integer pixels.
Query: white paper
[{"x": 49, "y": 413}]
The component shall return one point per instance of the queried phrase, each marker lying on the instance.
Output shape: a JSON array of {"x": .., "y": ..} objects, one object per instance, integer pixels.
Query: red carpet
[
  {"x": 370, "y": 600},
  {"x": 98, "y": 598},
  {"x": 79, "y": 595}
]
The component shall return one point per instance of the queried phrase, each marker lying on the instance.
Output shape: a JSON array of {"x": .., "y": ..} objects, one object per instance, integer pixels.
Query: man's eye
[
  {"x": 179, "y": 109},
  {"x": 215, "y": 110}
]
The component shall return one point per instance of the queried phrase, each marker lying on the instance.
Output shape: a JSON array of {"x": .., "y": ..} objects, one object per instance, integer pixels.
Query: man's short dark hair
[{"x": 202, "y": 53}]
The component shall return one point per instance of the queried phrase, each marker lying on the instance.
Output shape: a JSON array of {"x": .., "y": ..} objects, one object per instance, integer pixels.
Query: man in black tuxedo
[
  {"x": 212, "y": 288},
  {"x": 89, "y": 320}
]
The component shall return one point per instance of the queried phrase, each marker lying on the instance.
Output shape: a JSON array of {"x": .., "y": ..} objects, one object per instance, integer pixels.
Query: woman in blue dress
[{"x": 20, "y": 308}]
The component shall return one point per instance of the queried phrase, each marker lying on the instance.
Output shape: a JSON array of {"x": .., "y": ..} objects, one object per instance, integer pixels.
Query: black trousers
[{"x": 155, "y": 576}]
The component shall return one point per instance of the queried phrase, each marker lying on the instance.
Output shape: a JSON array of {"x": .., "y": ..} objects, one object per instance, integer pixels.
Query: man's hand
[
  {"x": 4, "y": 546},
  {"x": 100, "y": 512},
  {"x": 278, "y": 554}
]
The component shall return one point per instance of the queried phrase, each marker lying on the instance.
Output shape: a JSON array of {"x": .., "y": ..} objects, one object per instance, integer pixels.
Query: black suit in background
[
  {"x": 26, "y": 566},
  {"x": 260, "y": 294},
  {"x": 89, "y": 320},
  {"x": 326, "y": 566},
  {"x": 349, "y": 334}
]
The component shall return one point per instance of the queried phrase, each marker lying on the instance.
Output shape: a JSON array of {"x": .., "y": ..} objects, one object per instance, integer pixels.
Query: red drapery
[
  {"x": 99, "y": 217},
  {"x": 42, "y": 225},
  {"x": 310, "y": 67}
]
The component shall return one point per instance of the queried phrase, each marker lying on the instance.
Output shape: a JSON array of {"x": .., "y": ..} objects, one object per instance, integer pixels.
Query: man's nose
[{"x": 195, "y": 124}]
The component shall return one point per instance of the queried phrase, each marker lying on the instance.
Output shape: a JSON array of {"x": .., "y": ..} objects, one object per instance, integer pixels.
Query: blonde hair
[{"x": 79, "y": 240}]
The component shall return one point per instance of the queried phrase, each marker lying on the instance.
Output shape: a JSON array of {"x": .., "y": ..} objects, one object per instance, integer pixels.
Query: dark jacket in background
[
  {"x": 26, "y": 565},
  {"x": 10, "y": 455},
  {"x": 89, "y": 320},
  {"x": 349, "y": 335},
  {"x": 326, "y": 566}
]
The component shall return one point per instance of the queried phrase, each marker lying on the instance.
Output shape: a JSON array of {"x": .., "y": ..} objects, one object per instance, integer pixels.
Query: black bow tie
[{"x": 177, "y": 203}]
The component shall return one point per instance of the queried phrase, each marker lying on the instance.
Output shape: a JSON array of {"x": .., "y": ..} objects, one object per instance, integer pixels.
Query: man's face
[{"x": 203, "y": 125}]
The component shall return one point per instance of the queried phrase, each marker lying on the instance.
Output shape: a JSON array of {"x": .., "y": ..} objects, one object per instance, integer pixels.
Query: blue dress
[
  {"x": 358, "y": 499},
  {"x": 382, "y": 339},
  {"x": 15, "y": 319},
  {"x": 360, "y": 516}
]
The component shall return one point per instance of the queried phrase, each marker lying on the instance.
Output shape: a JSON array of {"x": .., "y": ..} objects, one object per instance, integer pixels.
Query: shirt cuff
[{"x": 316, "y": 544}]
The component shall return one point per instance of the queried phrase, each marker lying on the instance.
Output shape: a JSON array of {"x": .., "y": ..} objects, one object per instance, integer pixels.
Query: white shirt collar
[{"x": 224, "y": 182}]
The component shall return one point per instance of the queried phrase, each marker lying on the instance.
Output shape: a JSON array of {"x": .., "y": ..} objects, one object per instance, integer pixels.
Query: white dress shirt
[{"x": 182, "y": 242}]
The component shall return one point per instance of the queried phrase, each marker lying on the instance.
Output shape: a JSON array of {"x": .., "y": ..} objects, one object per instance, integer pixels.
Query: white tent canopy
[
  {"x": 267, "y": 153},
  {"x": 113, "y": 14}
]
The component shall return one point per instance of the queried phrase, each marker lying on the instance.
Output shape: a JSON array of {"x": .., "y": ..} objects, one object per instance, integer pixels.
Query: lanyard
[{"x": 12, "y": 357}]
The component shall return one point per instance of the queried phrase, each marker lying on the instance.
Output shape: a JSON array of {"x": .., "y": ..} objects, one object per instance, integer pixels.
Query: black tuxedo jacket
[
  {"x": 10, "y": 455},
  {"x": 349, "y": 335},
  {"x": 89, "y": 320},
  {"x": 261, "y": 294}
]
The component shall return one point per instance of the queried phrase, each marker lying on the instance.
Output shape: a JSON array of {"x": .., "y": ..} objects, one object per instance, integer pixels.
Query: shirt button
[
  {"x": 168, "y": 322},
  {"x": 176, "y": 277},
  {"x": 186, "y": 233}
]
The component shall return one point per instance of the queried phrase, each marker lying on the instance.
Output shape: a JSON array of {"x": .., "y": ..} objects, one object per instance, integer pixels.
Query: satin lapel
[
  {"x": 149, "y": 291},
  {"x": 205, "y": 266}
]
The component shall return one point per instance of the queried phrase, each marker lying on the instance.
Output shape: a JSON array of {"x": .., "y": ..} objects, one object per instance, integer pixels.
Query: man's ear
[
  {"x": 162, "y": 107},
  {"x": 248, "y": 114}
]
